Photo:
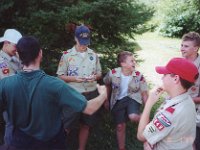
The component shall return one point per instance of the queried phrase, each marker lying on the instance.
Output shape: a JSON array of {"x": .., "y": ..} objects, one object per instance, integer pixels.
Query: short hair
[
  {"x": 186, "y": 84},
  {"x": 122, "y": 56},
  {"x": 28, "y": 49},
  {"x": 192, "y": 36}
]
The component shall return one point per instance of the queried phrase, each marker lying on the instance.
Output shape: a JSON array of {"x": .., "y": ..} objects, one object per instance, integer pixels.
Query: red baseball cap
[{"x": 180, "y": 66}]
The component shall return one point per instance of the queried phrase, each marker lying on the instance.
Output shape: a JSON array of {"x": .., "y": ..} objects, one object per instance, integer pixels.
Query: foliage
[
  {"x": 112, "y": 23},
  {"x": 53, "y": 22},
  {"x": 179, "y": 17}
]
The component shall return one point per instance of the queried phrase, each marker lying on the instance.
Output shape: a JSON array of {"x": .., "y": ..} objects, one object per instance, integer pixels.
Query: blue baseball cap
[{"x": 82, "y": 33}]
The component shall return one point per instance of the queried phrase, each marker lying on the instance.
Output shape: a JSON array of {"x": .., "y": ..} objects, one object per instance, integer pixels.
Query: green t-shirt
[{"x": 34, "y": 102}]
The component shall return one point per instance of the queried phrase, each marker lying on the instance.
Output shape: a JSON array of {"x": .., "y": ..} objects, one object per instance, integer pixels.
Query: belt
[{"x": 86, "y": 93}]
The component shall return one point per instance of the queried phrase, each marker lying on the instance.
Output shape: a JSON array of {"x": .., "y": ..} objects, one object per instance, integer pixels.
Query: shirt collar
[
  {"x": 74, "y": 52},
  {"x": 177, "y": 99},
  {"x": 119, "y": 71},
  {"x": 5, "y": 55}
]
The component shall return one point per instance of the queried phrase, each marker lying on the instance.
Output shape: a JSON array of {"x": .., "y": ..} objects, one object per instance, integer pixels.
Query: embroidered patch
[
  {"x": 113, "y": 71},
  {"x": 158, "y": 125},
  {"x": 151, "y": 128},
  {"x": 72, "y": 71},
  {"x": 5, "y": 71},
  {"x": 170, "y": 109},
  {"x": 3, "y": 65},
  {"x": 164, "y": 120},
  {"x": 71, "y": 59},
  {"x": 91, "y": 58}
]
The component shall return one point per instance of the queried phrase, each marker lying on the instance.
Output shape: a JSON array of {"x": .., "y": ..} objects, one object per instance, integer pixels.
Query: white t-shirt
[
  {"x": 123, "y": 86},
  {"x": 82, "y": 54}
]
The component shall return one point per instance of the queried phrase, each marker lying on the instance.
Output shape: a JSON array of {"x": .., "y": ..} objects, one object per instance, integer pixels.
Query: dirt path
[{"x": 155, "y": 50}]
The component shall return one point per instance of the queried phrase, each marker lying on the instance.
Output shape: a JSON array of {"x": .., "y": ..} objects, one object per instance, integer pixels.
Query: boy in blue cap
[{"x": 80, "y": 68}]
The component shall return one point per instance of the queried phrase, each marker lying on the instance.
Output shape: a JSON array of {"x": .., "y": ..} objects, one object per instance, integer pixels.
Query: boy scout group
[{"x": 39, "y": 110}]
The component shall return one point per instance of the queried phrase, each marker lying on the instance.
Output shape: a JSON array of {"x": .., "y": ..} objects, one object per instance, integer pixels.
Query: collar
[
  {"x": 118, "y": 72},
  {"x": 74, "y": 52},
  {"x": 5, "y": 55},
  {"x": 176, "y": 100}
]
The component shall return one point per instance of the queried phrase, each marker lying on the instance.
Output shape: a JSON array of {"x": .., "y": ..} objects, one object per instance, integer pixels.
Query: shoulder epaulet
[
  {"x": 137, "y": 73},
  {"x": 65, "y": 52},
  {"x": 113, "y": 71}
]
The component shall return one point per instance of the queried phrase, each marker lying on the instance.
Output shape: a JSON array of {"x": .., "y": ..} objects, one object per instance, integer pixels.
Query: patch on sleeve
[
  {"x": 170, "y": 110},
  {"x": 158, "y": 124},
  {"x": 164, "y": 120},
  {"x": 151, "y": 128}
]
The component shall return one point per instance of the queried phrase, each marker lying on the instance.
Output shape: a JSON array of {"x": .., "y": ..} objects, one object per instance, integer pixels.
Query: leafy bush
[
  {"x": 179, "y": 17},
  {"x": 53, "y": 22},
  {"x": 112, "y": 23}
]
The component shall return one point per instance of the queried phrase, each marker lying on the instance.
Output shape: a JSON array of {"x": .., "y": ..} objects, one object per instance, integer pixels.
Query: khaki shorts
[
  {"x": 123, "y": 108},
  {"x": 90, "y": 120},
  {"x": 71, "y": 117}
]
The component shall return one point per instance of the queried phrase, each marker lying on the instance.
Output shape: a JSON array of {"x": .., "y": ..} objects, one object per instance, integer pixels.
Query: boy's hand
[
  {"x": 154, "y": 95},
  {"x": 90, "y": 78},
  {"x": 147, "y": 146}
]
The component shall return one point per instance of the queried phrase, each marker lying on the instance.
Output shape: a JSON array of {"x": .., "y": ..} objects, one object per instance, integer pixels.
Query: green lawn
[{"x": 154, "y": 50}]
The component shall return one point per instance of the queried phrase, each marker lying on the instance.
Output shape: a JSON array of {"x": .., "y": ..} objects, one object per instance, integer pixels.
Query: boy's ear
[{"x": 176, "y": 78}]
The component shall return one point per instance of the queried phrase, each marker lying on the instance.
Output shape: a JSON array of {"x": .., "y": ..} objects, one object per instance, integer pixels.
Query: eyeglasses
[{"x": 171, "y": 74}]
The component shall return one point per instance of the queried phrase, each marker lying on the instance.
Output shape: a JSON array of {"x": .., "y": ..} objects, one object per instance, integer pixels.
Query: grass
[{"x": 154, "y": 50}]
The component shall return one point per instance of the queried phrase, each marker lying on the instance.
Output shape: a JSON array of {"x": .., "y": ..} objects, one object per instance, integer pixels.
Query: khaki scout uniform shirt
[
  {"x": 73, "y": 64},
  {"x": 194, "y": 90},
  {"x": 174, "y": 126},
  {"x": 136, "y": 86},
  {"x": 8, "y": 65}
]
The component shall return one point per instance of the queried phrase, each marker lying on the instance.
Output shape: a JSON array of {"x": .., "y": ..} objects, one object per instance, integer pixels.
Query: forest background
[{"x": 114, "y": 24}]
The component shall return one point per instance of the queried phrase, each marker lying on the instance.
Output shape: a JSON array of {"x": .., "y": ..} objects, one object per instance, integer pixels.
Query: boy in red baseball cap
[{"x": 171, "y": 128}]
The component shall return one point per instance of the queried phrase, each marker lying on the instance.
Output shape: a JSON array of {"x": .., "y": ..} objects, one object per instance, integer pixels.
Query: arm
[
  {"x": 109, "y": 90},
  {"x": 94, "y": 104},
  {"x": 144, "y": 96},
  {"x": 144, "y": 120},
  {"x": 71, "y": 78}
]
